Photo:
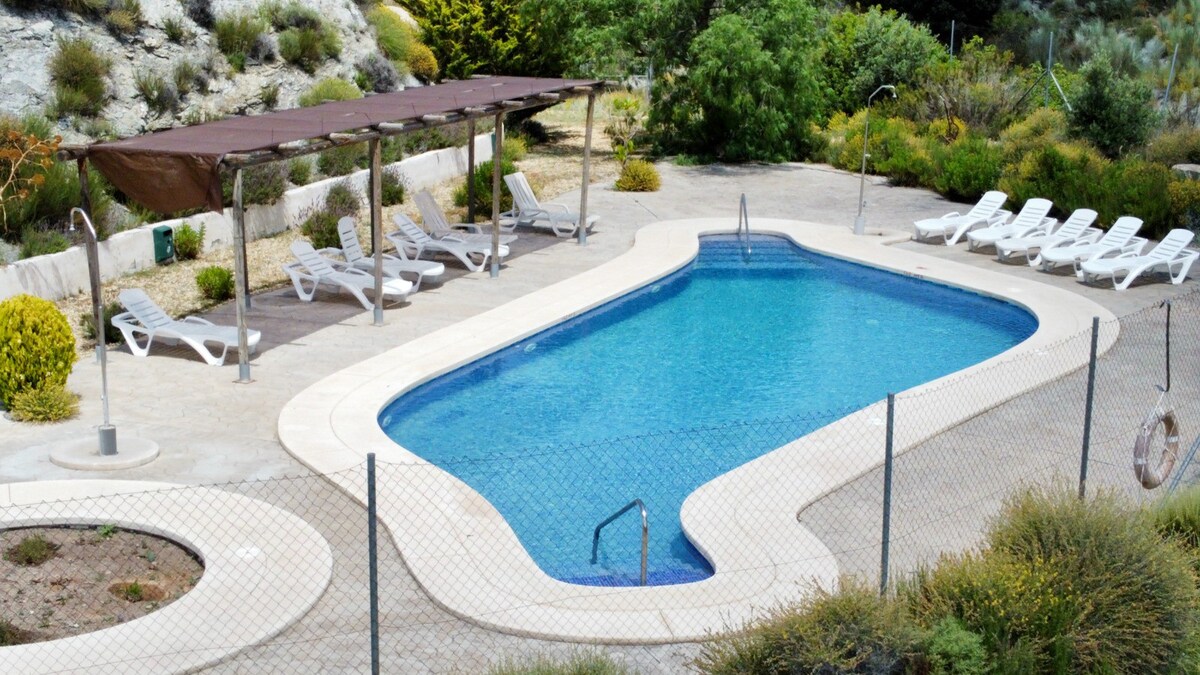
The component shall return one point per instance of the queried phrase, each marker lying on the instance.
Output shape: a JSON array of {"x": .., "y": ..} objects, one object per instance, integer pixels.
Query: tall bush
[
  {"x": 1111, "y": 111},
  {"x": 969, "y": 167},
  {"x": 37, "y": 348}
]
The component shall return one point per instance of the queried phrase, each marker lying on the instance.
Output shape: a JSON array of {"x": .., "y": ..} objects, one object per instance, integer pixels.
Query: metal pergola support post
[
  {"x": 242, "y": 282},
  {"x": 376, "y": 153},
  {"x": 497, "y": 169},
  {"x": 581, "y": 233}
]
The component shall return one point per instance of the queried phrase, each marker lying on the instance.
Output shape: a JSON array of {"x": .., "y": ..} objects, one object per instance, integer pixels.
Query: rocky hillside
[{"x": 160, "y": 40}]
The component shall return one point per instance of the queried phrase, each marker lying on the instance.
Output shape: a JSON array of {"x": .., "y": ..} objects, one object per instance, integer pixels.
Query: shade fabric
[{"x": 180, "y": 168}]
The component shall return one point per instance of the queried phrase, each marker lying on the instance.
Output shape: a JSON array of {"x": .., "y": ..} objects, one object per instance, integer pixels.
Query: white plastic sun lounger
[
  {"x": 527, "y": 210},
  {"x": 1076, "y": 230},
  {"x": 144, "y": 317},
  {"x": 1170, "y": 255},
  {"x": 1031, "y": 220},
  {"x": 951, "y": 227},
  {"x": 440, "y": 227},
  {"x": 412, "y": 241},
  {"x": 1120, "y": 238},
  {"x": 315, "y": 269},
  {"x": 394, "y": 268}
]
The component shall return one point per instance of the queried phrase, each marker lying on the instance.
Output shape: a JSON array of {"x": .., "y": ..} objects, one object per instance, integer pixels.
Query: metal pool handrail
[
  {"x": 645, "y": 533},
  {"x": 744, "y": 217}
]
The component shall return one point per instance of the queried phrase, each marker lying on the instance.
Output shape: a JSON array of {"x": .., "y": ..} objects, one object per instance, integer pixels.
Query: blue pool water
[{"x": 658, "y": 392}]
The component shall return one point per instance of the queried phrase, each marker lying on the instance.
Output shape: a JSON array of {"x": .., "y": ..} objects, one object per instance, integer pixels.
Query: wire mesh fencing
[{"x": 474, "y": 563}]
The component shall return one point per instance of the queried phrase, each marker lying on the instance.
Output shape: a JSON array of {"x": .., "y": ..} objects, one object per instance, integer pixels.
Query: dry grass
[{"x": 552, "y": 168}]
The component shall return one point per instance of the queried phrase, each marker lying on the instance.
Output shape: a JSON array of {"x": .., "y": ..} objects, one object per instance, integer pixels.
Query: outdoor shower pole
[
  {"x": 107, "y": 432},
  {"x": 242, "y": 285},
  {"x": 1087, "y": 415},
  {"x": 860, "y": 221}
]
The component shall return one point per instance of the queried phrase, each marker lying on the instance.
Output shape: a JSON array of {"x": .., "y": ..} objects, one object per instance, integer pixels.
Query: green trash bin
[{"x": 164, "y": 244}]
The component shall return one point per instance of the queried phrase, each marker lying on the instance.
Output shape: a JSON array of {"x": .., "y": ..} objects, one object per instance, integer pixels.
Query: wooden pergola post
[
  {"x": 497, "y": 169},
  {"x": 375, "y": 150},
  {"x": 581, "y": 233},
  {"x": 471, "y": 171},
  {"x": 241, "y": 286}
]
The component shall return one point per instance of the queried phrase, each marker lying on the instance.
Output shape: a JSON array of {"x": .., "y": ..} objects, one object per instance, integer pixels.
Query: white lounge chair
[
  {"x": 1076, "y": 230},
  {"x": 1170, "y": 255},
  {"x": 952, "y": 226},
  {"x": 1031, "y": 220},
  {"x": 411, "y": 241},
  {"x": 527, "y": 210},
  {"x": 143, "y": 317},
  {"x": 440, "y": 228},
  {"x": 394, "y": 268},
  {"x": 315, "y": 269},
  {"x": 1120, "y": 238}
]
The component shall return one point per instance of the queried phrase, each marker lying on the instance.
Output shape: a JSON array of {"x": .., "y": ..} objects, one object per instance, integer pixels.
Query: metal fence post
[
  {"x": 1087, "y": 413},
  {"x": 887, "y": 494},
  {"x": 373, "y": 563}
]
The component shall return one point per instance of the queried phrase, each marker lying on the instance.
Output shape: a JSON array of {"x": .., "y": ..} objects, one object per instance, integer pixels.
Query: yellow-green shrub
[
  {"x": 1072, "y": 175},
  {"x": 51, "y": 403},
  {"x": 969, "y": 167},
  {"x": 37, "y": 348},
  {"x": 422, "y": 63},
  {"x": 1185, "y": 202},
  {"x": 215, "y": 283},
  {"x": 1042, "y": 127},
  {"x": 638, "y": 175},
  {"x": 845, "y": 135},
  {"x": 1176, "y": 146}
]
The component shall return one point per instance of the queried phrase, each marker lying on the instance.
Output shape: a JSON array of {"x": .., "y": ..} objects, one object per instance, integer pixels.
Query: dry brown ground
[
  {"x": 72, "y": 593},
  {"x": 552, "y": 168}
]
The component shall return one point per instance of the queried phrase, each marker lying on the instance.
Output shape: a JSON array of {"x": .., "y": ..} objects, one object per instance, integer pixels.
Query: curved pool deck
[{"x": 743, "y": 521}]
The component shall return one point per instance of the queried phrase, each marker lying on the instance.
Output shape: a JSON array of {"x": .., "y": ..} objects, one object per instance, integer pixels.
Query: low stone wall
[{"x": 64, "y": 274}]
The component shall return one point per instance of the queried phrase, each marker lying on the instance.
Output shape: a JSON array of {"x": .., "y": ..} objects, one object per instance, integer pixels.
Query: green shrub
[
  {"x": 953, "y": 650},
  {"x": 37, "y": 348},
  {"x": 1068, "y": 585},
  {"x": 320, "y": 226},
  {"x": 1072, "y": 175},
  {"x": 342, "y": 160},
  {"x": 1139, "y": 188},
  {"x": 483, "y": 188},
  {"x": 300, "y": 171},
  {"x": 980, "y": 86},
  {"x": 160, "y": 95},
  {"x": 586, "y": 663},
  {"x": 1175, "y": 146},
  {"x": 188, "y": 76},
  {"x": 307, "y": 48},
  {"x": 638, "y": 175},
  {"x": 911, "y": 161},
  {"x": 51, "y": 403},
  {"x": 1044, "y": 126},
  {"x": 112, "y": 335},
  {"x": 515, "y": 148},
  {"x": 36, "y": 241},
  {"x": 968, "y": 168},
  {"x": 189, "y": 242},
  {"x": 1185, "y": 203},
  {"x": 175, "y": 30},
  {"x": 31, "y": 551},
  {"x": 124, "y": 17},
  {"x": 1112, "y": 111},
  {"x": 392, "y": 34},
  {"x": 392, "y": 187},
  {"x": 329, "y": 89},
  {"x": 1178, "y": 518},
  {"x": 269, "y": 95},
  {"x": 215, "y": 283},
  {"x": 78, "y": 73},
  {"x": 850, "y": 631},
  {"x": 422, "y": 63},
  {"x": 342, "y": 199},
  {"x": 238, "y": 37},
  {"x": 261, "y": 184}
]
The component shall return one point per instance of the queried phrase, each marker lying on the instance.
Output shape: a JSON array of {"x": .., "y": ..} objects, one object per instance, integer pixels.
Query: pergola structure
[{"x": 181, "y": 168}]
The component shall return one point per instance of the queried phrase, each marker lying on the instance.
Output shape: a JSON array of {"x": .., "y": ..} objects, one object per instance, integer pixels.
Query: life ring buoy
[{"x": 1152, "y": 476}]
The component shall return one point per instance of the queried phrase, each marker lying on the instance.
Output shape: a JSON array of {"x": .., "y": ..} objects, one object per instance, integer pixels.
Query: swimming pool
[{"x": 788, "y": 336}]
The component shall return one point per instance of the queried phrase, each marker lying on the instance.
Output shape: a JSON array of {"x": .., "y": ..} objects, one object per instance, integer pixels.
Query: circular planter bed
[{"x": 57, "y": 582}]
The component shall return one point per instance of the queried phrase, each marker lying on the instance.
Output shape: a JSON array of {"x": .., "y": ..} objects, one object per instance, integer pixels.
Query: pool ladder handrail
[
  {"x": 645, "y": 533},
  {"x": 744, "y": 218}
]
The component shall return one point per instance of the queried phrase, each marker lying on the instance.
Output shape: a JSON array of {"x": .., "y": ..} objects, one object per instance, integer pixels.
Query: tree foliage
[
  {"x": 487, "y": 37},
  {"x": 1111, "y": 111}
]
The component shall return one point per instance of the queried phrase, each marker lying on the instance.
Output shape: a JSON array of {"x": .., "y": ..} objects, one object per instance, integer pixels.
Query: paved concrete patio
[{"x": 212, "y": 430}]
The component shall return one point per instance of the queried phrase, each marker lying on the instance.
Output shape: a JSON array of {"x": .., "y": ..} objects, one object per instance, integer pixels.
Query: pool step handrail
[
  {"x": 645, "y": 533},
  {"x": 744, "y": 219}
]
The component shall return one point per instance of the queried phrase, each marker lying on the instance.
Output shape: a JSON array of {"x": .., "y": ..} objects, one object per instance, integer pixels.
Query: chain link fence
[{"x": 406, "y": 595}]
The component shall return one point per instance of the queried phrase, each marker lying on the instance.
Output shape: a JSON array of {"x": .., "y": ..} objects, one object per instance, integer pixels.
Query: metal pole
[
  {"x": 1087, "y": 413},
  {"x": 497, "y": 161},
  {"x": 1168, "y": 304},
  {"x": 242, "y": 285},
  {"x": 1049, "y": 66},
  {"x": 374, "y": 148},
  {"x": 93, "y": 257},
  {"x": 471, "y": 170},
  {"x": 107, "y": 433},
  {"x": 887, "y": 494},
  {"x": 373, "y": 563},
  {"x": 860, "y": 221},
  {"x": 1171, "y": 77},
  {"x": 581, "y": 233},
  {"x": 952, "y": 38}
]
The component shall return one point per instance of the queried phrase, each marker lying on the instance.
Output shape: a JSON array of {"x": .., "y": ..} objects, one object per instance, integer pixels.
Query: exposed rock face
[{"x": 27, "y": 42}]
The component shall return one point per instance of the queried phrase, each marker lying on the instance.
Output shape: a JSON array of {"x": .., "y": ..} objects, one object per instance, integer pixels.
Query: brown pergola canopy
[{"x": 180, "y": 168}]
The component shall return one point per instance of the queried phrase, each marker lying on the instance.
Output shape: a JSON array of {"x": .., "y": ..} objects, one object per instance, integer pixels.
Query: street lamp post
[{"x": 860, "y": 221}]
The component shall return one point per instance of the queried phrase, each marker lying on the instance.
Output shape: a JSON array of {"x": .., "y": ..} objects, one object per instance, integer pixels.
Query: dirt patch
[{"x": 97, "y": 577}]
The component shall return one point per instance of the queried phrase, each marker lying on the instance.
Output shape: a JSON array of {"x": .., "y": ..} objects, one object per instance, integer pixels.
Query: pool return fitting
[{"x": 645, "y": 530}]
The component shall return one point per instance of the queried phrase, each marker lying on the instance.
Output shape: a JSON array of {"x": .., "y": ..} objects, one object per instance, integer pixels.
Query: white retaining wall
[{"x": 60, "y": 275}]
